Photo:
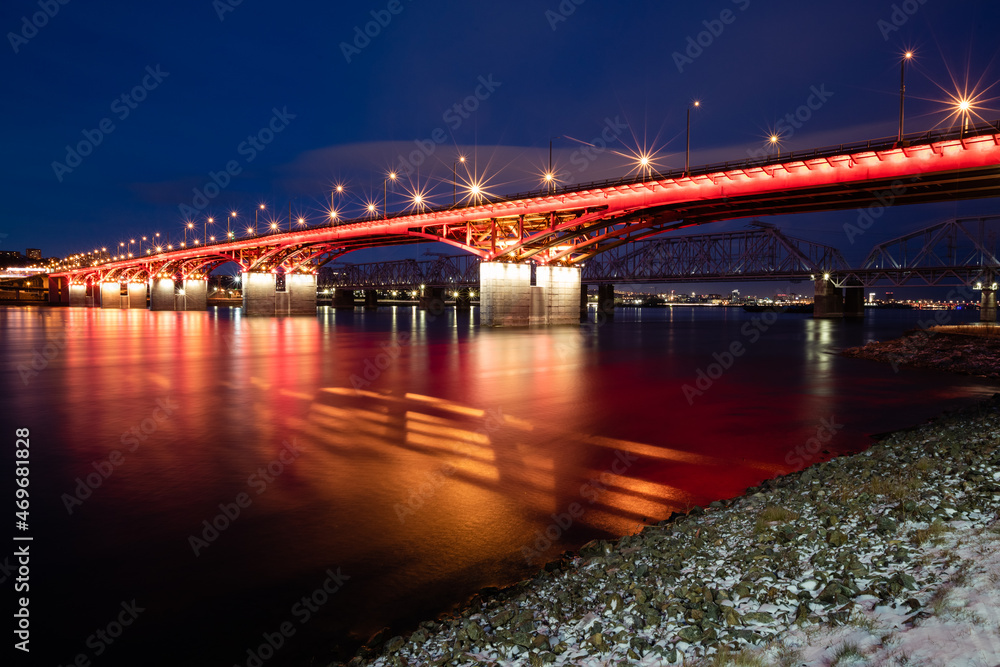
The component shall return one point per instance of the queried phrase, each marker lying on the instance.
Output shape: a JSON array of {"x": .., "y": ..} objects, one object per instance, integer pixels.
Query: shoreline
[
  {"x": 965, "y": 349},
  {"x": 862, "y": 554}
]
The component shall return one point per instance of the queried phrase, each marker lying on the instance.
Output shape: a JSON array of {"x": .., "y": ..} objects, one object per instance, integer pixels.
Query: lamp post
[
  {"x": 550, "y": 176},
  {"x": 902, "y": 89},
  {"x": 687, "y": 149},
  {"x": 229, "y": 233},
  {"x": 774, "y": 139},
  {"x": 256, "y": 211},
  {"x": 454, "y": 179},
  {"x": 963, "y": 107},
  {"x": 385, "y": 194},
  {"x": 207, "y": 220}
]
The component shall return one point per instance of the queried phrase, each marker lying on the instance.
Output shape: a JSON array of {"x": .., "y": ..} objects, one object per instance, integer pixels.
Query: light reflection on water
[{"x": 435, "y": 456}]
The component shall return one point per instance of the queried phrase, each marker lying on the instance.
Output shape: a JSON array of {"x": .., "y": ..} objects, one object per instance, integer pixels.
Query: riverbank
[
  {"x": 886, "y": 557},
  {"x": 968, "y": 349}
]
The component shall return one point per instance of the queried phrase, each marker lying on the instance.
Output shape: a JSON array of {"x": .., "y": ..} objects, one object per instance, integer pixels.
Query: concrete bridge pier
[
  {"x": 161, "y": 294},
  {"x": 111, "y": 295},
  {"x": 606, "y": 302},
  {"x": 507, "y": 298},
  {"x": 371, "y": 299},
  {"x": 58, "y": 291},
  {"x": 167, "y": 294},
  {"x": 828, "y": 300},
  {"x": 431, "y": 299},
  {"x": 343, "y": 298},
  {"x": 137, "y": 295},
  {"x": 272, "y": 294},
  {"x": 988, "y": 305},
  {"x": 81, "y": 296}
]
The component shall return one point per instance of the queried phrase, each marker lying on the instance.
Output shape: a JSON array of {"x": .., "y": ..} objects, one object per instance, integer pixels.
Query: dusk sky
[{"x": 346, "y": 105}]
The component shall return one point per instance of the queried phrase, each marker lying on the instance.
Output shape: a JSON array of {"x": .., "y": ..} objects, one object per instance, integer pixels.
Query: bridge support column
[
  {"x": 193, "y": 295},
  {"x": 161, "y": 294},
  {"x": 137, "y": 295},
  {"x": 58, "y": 291},
  {"x": 505, "y": 294},
  {"x": 606, "y": 302},
  {"x": 371, "y": 299},
  {"x": 988, "y": 305},
  {"x": 79, "y": 296},
  {"x": 269, "y": 295},
  {"x": 432, "y": 300},
  {"x": 560, "y": 287},
  {"x": 854, "y": 302},
  {"x": 463, "y": 302},
  {"x": 507, "y": 298},
  {"x": 343, "y": 298},
  {"x": 111, "y": 295},
  {"x": 828, "y": 302}
]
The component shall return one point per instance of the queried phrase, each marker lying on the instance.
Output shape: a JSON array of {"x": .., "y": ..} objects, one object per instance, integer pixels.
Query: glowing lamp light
[{"x": 371, "y": 208}]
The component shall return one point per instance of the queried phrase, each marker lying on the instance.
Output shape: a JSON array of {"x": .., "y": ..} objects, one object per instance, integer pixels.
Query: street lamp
[
  {"x": 774, "y": 139},
  {"x": 256, "y": 211},
  {"x": 207, "y": 221},
  {"x": 189, "y": 225},
  {"x": 385, "y": 193},
  {"x": 229, "y": 221},
  {"x": 964, "y": 105},
  {"x": 454, "y": 179},
  {"x": 687, "y": 149},
  {"x": 902, "y": 89}
]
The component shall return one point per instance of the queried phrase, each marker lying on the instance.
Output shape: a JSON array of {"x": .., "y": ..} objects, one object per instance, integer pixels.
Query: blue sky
[{"x": 201, "y": 79}]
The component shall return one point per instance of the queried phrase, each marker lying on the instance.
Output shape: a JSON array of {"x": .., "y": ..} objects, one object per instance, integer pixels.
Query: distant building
[
  {"x": 34, "y": 253},
  {"x": 9, "y": 258}
]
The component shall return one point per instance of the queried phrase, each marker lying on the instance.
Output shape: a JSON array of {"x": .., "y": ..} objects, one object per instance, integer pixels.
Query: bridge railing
[{"x": 887, "y": 143}]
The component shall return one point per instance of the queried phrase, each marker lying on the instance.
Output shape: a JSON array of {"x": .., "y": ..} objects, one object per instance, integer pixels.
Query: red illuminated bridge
[{"x": 558, "y": 231}]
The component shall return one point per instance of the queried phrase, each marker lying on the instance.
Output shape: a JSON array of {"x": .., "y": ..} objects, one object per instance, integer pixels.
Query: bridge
[
  {"x": 562, "y": 230},
  {"x": 961, "y": 251}
]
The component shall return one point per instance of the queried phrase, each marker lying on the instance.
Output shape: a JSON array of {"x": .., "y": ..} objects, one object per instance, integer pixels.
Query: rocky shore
[
  {"x": 966, "y": 350},
  {"x": 885, "y": 557}
]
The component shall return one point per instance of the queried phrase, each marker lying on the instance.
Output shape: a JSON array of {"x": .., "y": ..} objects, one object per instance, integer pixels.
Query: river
[{"x": 333, "y": 475}]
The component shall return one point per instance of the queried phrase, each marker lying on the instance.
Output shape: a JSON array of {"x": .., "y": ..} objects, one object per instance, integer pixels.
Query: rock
[
  {"x": 836, "y": 538},
  {"x": 394, "y": 644}
]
